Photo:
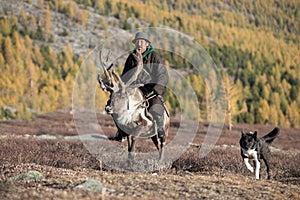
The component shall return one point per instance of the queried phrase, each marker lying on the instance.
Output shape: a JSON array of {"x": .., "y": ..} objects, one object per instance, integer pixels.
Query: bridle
[{"x": 145, "y": 102}]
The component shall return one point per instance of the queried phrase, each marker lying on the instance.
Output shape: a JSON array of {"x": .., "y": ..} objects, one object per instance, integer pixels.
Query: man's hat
[{"x": 140, "y": 35}]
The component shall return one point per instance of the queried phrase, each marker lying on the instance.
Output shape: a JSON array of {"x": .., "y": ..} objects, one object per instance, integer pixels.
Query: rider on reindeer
[{"x": 154, "y": 78}]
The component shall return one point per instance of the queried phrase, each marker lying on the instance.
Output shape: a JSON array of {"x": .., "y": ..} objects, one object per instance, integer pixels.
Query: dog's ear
[{"x": 255, "y": 135}]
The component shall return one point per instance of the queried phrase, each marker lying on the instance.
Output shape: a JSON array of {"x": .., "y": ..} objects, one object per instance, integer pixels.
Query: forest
[{"x": 255, "y": 43}]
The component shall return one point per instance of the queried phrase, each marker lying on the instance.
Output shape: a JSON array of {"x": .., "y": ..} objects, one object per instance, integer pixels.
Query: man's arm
[
  {"x": 161, "y": 76},
  {"x": 127, "y": 71}
]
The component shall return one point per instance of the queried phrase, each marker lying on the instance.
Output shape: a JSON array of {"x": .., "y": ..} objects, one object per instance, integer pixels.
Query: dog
[{"x": 253, "y": 148}]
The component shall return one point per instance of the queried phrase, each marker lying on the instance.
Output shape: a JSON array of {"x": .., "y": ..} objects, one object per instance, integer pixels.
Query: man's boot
[{"x": 108, "y": 107}]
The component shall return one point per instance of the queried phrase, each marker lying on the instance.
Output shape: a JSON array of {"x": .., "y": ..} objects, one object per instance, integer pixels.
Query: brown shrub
[{"x": 73, "y": 154}]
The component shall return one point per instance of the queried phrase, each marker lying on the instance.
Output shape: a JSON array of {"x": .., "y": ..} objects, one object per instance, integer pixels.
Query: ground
[{"x": 48, "y": 144}]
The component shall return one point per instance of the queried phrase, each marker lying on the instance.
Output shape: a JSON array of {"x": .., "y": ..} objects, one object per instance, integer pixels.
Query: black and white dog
[{"x": 256, "y": 148}]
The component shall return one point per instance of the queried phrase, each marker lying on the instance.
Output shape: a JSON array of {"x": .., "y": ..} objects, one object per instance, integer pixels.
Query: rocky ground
[{"x": 44, "y": 159}]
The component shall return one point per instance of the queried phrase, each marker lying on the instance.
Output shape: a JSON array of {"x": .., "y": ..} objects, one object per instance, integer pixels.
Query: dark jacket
[{"x": 154, "y": 74}]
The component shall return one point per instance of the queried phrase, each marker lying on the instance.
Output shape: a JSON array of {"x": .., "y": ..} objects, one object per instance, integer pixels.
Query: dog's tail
[{"x": 271, "y": 136}]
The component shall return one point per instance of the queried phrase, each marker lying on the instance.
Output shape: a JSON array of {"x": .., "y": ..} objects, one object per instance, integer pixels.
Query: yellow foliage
[
  {"x": 44, "y": 81},
  {"x": 82, "y": 16}
]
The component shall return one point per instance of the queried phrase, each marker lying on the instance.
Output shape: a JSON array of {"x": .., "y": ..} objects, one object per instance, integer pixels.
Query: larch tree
[
  {"x": 9, "y": 54},
  {"x": 232, "y": 96},
  {"x": 48, "y": 26}
]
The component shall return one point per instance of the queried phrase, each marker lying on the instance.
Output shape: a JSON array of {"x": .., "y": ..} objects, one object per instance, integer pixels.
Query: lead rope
[{"x": 146, "y": 101}]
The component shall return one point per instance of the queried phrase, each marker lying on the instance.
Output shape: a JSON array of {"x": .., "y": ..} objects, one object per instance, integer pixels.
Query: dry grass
[
  {"x": 219, "y": 175},
  {"x": 73, "y": 154}
]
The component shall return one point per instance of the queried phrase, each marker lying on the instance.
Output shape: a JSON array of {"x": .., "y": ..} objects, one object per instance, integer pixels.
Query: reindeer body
[
  {"x": 129, "y": 108},
  {"x": 131, "y": 116}
]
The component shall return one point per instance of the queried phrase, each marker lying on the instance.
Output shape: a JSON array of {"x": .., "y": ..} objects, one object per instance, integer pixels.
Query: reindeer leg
[
  {"x": 161, "y": 151},
  {"x": 155, "y": 141},
  {"x": 129, "y": 158},
  {"x": 162, "y": 144},
  {"x": 163, "y": 140},
  {"x": 131, "y": 143},
  {"x": 158, "y": 147}
]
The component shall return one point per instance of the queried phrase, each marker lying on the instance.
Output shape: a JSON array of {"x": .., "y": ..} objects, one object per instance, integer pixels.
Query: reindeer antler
[
  {"x": 111, "y": 76},
  {"x": 139, "y": 59},
  {"x": 110, "y": 83},
  {"x": 121, "y": 83},
  {"x": 104, "y": 65}
]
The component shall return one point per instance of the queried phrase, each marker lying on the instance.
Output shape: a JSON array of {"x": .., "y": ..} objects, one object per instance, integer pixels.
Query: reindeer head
[
  {"x": 112, "y": 81},
  {"x": 122, "y": 92}
]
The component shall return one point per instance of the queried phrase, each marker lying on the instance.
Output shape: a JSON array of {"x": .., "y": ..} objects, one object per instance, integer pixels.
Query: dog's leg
[
  {"x": 266, "y": 155},
  {"x": 246, "y": 161},
  {"x": 268, "y": 167},
  {"x": 257, "y": 167}
]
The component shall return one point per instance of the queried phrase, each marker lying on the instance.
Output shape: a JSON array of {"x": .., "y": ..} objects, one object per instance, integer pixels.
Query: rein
[{"x": 146, "y": 100}]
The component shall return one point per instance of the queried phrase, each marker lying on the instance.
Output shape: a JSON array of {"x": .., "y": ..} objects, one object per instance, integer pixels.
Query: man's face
[{"x": 141, "y": 45}]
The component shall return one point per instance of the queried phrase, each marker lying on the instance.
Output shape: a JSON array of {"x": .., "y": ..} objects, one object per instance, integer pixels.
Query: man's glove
[
  {"x": 145, "y": 90},
  {"x": 159, "y": 89}
]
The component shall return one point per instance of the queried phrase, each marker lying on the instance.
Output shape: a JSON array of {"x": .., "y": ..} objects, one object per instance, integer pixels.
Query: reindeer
[{"x": 129, "y": 108}]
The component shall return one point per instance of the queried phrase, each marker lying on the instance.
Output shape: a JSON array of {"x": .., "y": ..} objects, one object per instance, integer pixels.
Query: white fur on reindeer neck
[{"x": 132, "y": 109}]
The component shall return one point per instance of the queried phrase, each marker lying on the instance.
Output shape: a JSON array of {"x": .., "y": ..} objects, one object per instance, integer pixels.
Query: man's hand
[{"x": 139, "y": 56}]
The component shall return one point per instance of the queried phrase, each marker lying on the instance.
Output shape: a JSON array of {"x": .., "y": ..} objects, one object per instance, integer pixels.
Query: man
[{"x": 154, "y": 76}]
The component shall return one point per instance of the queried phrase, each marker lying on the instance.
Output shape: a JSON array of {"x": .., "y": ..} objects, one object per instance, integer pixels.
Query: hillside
[{"x": 255, "y": 44}]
